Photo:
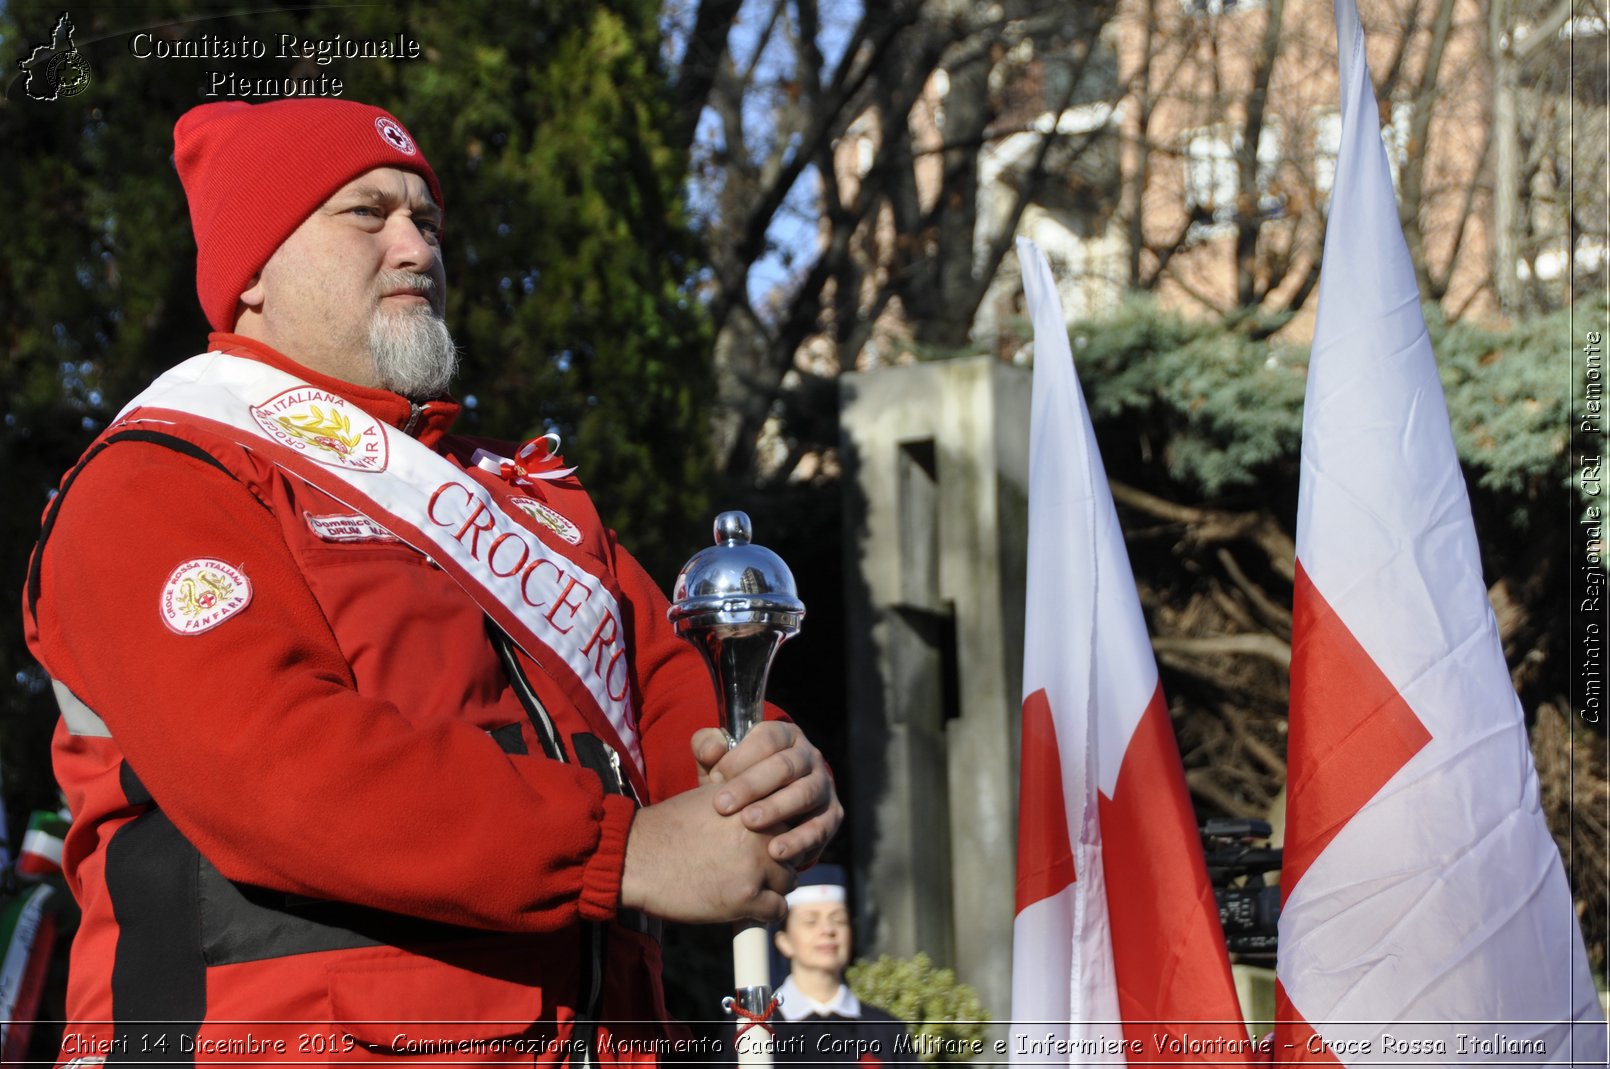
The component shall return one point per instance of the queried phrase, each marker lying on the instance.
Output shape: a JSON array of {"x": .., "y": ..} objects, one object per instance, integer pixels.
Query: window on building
[
  {"x": 1211, "y": 177},
  {"x": 1328, "y": 139}
]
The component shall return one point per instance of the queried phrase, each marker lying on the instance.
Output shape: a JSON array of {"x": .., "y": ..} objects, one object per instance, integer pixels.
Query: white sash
[{"x": 556, "y": 608}]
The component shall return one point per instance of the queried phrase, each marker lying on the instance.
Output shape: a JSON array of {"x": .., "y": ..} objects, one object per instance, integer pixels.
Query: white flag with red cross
[
  {"x": 1426, "y": 918},
  {"x": 1117, "y": 954}
]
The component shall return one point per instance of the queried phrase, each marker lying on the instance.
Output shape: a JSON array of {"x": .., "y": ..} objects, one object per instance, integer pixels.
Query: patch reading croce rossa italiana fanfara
[
  {"x": 202, "y": 593},
  {"x": 325, "y": 427}
]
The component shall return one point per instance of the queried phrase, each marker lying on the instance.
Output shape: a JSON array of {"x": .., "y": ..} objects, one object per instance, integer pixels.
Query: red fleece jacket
[{"x": 346, "y": 747}]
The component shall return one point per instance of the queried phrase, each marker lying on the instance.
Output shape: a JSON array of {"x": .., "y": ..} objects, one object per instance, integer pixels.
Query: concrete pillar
[{"x": 936, "y": 459}]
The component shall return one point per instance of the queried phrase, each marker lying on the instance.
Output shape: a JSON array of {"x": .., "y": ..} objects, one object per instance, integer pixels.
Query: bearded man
[{"x": 377, "y": 743}]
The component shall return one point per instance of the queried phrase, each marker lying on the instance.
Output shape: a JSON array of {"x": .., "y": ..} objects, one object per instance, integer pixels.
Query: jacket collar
[{"x": 428, "y": 421}]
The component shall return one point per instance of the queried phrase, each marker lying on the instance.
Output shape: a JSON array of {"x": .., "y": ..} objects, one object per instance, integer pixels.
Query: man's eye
[{"x": 366, "y": 212}]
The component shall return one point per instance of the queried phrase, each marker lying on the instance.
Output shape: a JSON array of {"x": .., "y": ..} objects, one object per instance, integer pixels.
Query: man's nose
[{"x": 410, "y": 248}]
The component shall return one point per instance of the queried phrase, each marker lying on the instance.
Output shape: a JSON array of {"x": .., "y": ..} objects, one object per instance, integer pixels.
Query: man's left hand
[{"x": 778, "y": 780}]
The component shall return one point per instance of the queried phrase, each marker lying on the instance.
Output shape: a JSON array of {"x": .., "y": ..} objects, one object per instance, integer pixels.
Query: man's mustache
[{"x": 395, "y": 282}]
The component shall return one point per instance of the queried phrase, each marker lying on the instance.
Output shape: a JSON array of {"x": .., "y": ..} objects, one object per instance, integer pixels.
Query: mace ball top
[
  {"x": 735, "y": 586},
  {"x": 733, "y": 527}
]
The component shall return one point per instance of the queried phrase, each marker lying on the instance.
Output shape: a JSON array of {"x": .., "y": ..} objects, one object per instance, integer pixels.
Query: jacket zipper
[
  {"x": 414, "y": 412},
  {"x": 621, "y": 786},
  {"x": 592, "y": 965}
]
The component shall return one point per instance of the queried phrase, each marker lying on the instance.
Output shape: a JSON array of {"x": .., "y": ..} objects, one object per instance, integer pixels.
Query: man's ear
[{"x": 253, "y": 296}]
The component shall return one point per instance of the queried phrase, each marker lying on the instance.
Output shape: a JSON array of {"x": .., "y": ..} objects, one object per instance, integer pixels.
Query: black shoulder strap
[
  {"x": 168, "y": 441},
  {"x": 538, "y": 713}
]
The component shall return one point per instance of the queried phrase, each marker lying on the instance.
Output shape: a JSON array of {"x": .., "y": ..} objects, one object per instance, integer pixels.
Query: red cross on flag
[
  {"x": 1117, "y": 955},
  {"x": 1426, "y": 917}
]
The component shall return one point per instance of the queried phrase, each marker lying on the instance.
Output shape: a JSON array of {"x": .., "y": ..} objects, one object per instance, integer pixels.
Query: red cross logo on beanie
[{"x": 395, "y": 136}]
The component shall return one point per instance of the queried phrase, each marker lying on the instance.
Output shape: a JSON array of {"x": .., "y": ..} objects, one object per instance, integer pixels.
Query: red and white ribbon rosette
[{"x": 537, "y": 460}]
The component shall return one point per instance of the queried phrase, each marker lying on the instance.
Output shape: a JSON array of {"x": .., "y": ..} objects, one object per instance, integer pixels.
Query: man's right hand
[
  {"x": 777, "y": 780},
  {"x": 686, "y": 862}
]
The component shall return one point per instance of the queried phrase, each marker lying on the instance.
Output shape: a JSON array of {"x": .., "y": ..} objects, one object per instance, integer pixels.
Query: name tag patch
[{"x": 349, "y": 528}]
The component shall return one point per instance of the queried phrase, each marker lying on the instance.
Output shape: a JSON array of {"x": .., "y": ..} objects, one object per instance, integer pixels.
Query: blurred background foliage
[{"x": 944, "y": 1015}]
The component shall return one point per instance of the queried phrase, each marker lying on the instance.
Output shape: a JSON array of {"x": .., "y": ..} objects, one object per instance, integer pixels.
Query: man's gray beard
[{"x": 413, "y": 352}]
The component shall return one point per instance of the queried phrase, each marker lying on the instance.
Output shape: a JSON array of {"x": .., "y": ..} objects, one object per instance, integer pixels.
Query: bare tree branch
[
  {"x": 1527, "y": 48},
  {"x": 1274, "y": 615},
  {"x": 1140, "y": 176},
  {"x": 1207, "y": 526},
  {"x": 1412, "y": 172},
  {"x": 1249, "y": 217},
  {"x": 1261, "y": 752},
  {"x": 1202, "y": 783},
  {"x": 1254, "y": 645},
  {"x": 707, "y": 47},
  {"x": 865, "y": 57},
  {"x": 1438, "y": 284},
  {"x": 1387, "y": 82}
]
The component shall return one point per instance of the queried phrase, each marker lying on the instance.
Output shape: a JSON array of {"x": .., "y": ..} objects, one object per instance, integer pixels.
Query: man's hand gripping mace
[{"x": 736, "y": 602}]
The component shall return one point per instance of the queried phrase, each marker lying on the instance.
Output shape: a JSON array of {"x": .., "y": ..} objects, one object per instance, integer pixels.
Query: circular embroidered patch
[
  {"x": 201, "y": 594},
  {"x": 325, "y": 427},
  {"x": 395, "y": 136},
  {"x": 549, "y": 519}
]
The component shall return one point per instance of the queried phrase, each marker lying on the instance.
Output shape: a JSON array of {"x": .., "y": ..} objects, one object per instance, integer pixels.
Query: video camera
[{"x": 1249, "y": 904}]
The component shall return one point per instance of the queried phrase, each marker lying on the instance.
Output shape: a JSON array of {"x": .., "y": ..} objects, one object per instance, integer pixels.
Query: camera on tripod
[{"x": 1238, "y": 869}]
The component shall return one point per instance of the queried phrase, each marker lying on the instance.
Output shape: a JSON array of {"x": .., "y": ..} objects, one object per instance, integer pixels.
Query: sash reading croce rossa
[{"x": 564, "y": 613}]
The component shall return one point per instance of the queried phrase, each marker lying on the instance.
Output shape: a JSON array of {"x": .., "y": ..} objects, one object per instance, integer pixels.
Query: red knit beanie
[{"x": 253, "y": 173}]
